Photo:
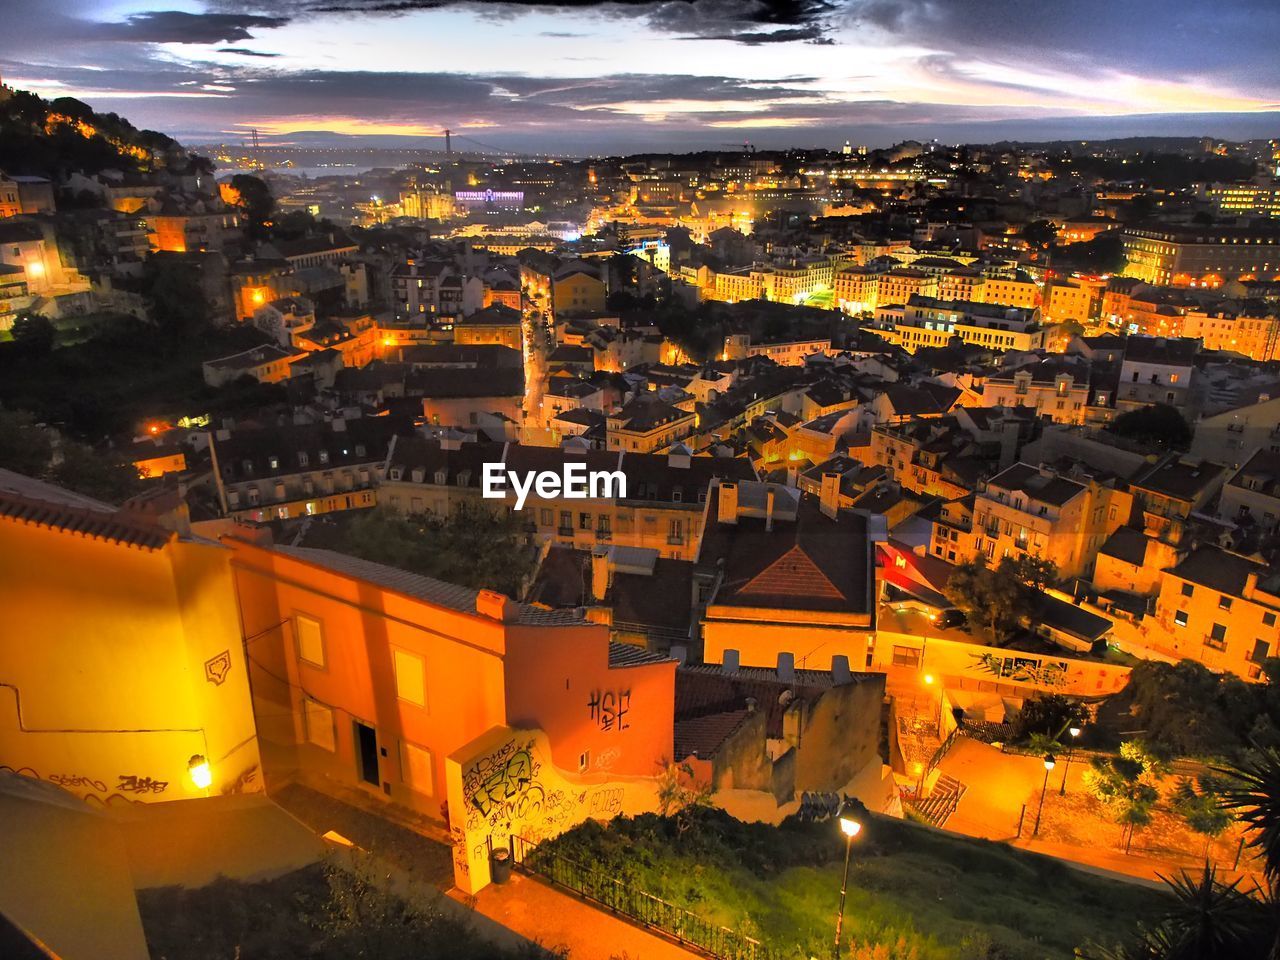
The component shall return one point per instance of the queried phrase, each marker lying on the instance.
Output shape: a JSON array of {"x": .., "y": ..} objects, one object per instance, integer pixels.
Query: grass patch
[
  {"x": 321, "y": 912},
  {"x": 914, "y": 894}
]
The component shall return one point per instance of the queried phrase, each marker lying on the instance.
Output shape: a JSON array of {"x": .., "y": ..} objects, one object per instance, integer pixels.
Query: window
[
  {"x": 584, "y": 521},
  {"x": 310, "y": 640},
  {"x": 324, "y": 456},
  {"x": 1269, "y": 619},
  {"x": 318, "y": 720},
  {"x": 416, "y": 768},
  {"x": 1180, "y": 618},
  {"x": 584, "y": 761},
  {"x": 1188, "y": 589},
  {"x": 566, "y": 521},
  {"x": 1260, "y": 651},
  {"x": 1224, "y": 602},
  {"x": 544, "y": 517},
  {"x": 1217, "y": 637},
  {"x": 906, "y": 656},
  {"x": 411, "y": 682}
]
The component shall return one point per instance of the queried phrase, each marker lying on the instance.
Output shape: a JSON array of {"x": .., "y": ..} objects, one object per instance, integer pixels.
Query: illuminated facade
[
  {"x": 1200, "y": 256},
  {"x": 123, "y": 669}
]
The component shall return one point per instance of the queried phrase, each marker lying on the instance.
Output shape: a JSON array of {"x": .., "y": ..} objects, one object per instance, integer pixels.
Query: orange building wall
[
  {"x": 362, "y": 624},
  {"x": 621, "y": 718},
  {"x": 118, "y": 664}
]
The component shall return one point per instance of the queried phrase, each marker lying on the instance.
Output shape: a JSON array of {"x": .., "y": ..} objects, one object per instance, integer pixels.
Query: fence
[{"x": 621, "y": 897}]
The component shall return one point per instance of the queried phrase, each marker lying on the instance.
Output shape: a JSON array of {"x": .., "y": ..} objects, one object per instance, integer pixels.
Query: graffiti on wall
[
  {"x": 609, "y": 709},
  {"x": 127, "y": 787},
  {"x": 134, "y": 784},
  {"x": 514, "y": 789},
  {"x": 1034, "y": 670},
  {"x": 217, "y": 668}
]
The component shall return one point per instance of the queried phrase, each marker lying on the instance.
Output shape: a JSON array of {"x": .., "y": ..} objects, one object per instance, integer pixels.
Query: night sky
[{"x": 669, "y": 74}]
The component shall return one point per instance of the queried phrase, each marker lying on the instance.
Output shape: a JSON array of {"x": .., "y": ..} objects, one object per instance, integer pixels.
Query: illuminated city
[{"x": 639, "y": 480}]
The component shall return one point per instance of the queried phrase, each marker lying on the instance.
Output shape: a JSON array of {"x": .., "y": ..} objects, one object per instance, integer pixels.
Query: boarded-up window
[
  {"x": 319, "y": 723},
  {"x": 417, "y": 769},
  {"x": 410, "y": 679},
  {"x": 310, "y": 640}
]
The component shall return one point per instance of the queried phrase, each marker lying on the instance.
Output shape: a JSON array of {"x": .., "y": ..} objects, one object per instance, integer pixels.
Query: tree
[
  {"x": 25, "y": 445},
  {"x": 473, "y": 547},
  {"x": 1253, "y": 792},
  {"x": 1039, "y": 233},
  {"x": 176, "y": 296},
  {"x": 252, "y": 198},
  {"x": 989, "y": 599},
  {"x": 1050, "y": 715},
  {"x": 1035, "y": 572},
  {"x": 680, "y": 795},
  {"x": 1199, "y": 803},
  {"x": 103, "y": 475},
  {"x": 1158, "y": 425},
  {"x": 1126, "y": 785},
  {"x": 34, "y": 334}
]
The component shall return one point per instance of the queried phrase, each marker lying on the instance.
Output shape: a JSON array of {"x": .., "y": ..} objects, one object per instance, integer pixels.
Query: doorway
[{"x": 367, "y": 753}]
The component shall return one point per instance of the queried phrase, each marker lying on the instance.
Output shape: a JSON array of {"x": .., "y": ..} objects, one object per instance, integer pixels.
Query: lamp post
[
  {"x": 850, "y": 828},
  {"x": 1048, "y": 765},
  {"x": 942, "y": 693},
  {"x": 1071, "y": 749}
]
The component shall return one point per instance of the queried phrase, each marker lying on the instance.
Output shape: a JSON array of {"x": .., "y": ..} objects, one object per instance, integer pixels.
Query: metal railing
[{"x": 621, "y": 897}]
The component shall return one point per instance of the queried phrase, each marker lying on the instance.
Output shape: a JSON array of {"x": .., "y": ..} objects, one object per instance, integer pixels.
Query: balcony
[
  {"x": 565, "y": 531},
  {"x": 604, "y": 536},
  {"x": 675, "y": 540}
]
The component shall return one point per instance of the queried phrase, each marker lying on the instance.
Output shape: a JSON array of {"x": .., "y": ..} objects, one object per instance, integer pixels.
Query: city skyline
[{"x": 590, "y": 77}]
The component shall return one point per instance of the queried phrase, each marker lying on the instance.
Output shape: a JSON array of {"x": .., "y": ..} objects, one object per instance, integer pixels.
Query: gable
[{"x": 792, "y": 574}]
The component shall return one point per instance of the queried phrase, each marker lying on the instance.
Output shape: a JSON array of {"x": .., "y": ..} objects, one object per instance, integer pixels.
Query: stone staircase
[{"x": 942, "y": 801}]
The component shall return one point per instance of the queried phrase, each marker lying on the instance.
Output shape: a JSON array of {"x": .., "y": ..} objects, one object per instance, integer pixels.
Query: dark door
[{"x": 367, "y": 753}]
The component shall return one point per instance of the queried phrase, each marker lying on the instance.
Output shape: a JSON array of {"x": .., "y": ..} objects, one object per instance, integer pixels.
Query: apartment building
[
  {"x": 932, "y": 322},
  {"x": 1053, "y": 388},
  {"x": 1200, "y": 255},
  {"x": 662, "y": 508},
  {"x": 1221, "y": 609},
  {"x": 647, "y": 424},
  {"x": 1035, "y": 511}
]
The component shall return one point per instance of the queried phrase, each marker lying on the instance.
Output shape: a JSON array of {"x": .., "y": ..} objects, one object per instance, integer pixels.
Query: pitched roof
[
  {"x": 438, "y": 592},
  {"x": 39, "y": 504}
]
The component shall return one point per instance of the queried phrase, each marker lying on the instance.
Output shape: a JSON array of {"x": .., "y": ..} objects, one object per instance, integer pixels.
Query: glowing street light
[
  {"x": 201, "y": 775},
  {"x": 850, "y": 828},
  {"x": 1048, "y": 765},
  {"x": 1071, "y": 749}
]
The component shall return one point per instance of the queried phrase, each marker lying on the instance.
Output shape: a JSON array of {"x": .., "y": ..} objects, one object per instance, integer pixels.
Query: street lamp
[
  {"x": 850, "y": 828},
  {"x": 942, "y": 693},
  {"x": 1071, "y": 749},
  {"x": 1048, "y": 765},
  {"x": 201, "y": 775}
]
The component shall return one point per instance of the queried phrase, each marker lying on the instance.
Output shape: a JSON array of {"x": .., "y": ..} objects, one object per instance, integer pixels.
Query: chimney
[
  {"x": 728, "y": 505},
  {"x": 599, "y": 573},
  {"x": 751, "y": 704},
  {"x": 729, "y": 662},
  {"x": 829, "y": 498},
  {"x": 496, "y": 606},
  {"x": 1250, "y": 585},
  {"x": 840, "y": 669},
  {"x": 769, "y": 498},
  {"x": 787, "y": 666}
]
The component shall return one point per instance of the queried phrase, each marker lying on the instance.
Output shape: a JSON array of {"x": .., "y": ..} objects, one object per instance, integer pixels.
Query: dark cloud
[
  {"x": 173, "y": 26},
  {"x": 736, "y": 20},
  {"x": 241, "y": 51},
  {"x": 753, "y": 38},
  {"x": 1234, "y": 39}
]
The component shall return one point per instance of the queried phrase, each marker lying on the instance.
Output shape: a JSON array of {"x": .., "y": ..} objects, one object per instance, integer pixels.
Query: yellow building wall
[{"x": 118, "y": 664}]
